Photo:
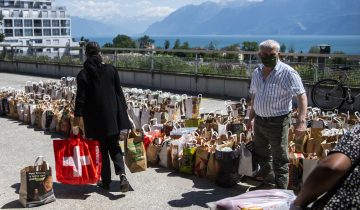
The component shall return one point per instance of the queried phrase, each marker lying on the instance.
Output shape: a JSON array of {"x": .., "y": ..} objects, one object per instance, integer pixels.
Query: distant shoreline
[{"x": 349, "y": 44}]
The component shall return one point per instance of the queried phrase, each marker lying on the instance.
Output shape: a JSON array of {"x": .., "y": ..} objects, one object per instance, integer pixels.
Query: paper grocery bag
[
  {"x": 300, "y": 143},
  {"x": 308, "y": 166},
  {"x": 201, "y": 160},
  {"x": 314, "y": 146},
  {"x": 135, "y": 155},
  {"x": 36, "y": 187}
]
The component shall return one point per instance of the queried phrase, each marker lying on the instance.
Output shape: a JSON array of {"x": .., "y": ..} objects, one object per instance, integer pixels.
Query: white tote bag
[{"x": 245, "y": 162}]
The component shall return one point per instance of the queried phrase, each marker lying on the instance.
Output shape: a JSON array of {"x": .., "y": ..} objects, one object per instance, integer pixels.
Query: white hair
[{"x": 270, "y": 44}]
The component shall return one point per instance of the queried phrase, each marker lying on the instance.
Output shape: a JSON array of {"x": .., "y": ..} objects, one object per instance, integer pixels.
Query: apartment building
[{"x": 36, "y": 23}]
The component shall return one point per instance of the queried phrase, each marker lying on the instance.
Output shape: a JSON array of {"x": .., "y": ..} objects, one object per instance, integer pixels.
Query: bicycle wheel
[{"x": 328, "y": 94}]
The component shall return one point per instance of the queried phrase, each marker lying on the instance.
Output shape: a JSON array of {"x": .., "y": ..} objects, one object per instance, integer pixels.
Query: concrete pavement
[{"x": 156, "y": 188}]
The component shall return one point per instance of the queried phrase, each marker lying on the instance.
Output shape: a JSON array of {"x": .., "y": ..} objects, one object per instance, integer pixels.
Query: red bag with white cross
[{"x": 77, "y": 160}]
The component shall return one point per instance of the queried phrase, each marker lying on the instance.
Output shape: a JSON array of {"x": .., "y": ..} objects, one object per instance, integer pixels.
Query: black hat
[{"x": 92, "y": 48}]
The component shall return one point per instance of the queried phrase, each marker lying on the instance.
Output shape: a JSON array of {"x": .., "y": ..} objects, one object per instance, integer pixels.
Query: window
[
  {"x": 46, "y": 23},
  {"x": 8, "y": 23},
  {"x": 47, "y": 32},
  {"x": 37, "y": 23},
  {"x": 65, "y": 32},
  {"x": 53, "y": 14},
  {"x": 38, "y": 41},
  {"x": 25, "y": 13},
  {"x": 18, "y": 23},
  {"x": 48, "y": 42},
  {"x": 18, "y": 32},
  {"x": 55, "y": 23},
  {"x": 8, "y": 32},
  {"x": 28, "y": 23},
  {"x": 44, "y": 14},
  {"x": 65, "y": 23},
  {"x": 37, "y": 32},
  {"x": 56, "y": 32},
  {"x": 16, "y": 13},
  {"x": 56, "y": 42},
  {"x": 62, "y": 14},
  {"x": 6, "y": 13},
  {"x": 28, "y": 32}
]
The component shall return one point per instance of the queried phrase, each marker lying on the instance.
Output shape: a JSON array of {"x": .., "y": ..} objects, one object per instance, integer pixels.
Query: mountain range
[{"x": 275, "y": 17}]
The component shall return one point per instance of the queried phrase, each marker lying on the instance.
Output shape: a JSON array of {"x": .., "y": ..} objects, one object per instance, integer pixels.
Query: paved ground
[{"x": 156, "y": 188}]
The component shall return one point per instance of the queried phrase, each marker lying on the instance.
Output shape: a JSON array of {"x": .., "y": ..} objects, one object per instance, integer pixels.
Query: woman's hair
[
  {"x": 92, "y": 48},
  {"x": 269, "y": 44}
]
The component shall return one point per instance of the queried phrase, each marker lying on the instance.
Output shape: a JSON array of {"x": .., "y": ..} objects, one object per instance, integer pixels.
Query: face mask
[{"x": 269, "y": 61}]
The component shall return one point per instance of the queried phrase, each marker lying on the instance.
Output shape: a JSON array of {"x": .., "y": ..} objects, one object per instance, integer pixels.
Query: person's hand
[
  {"x": 249, "y": 125},
  {"x": 300, "y": 128},
  {"x": 76, "y": 121},
  {"x": 75, "y": 130}
]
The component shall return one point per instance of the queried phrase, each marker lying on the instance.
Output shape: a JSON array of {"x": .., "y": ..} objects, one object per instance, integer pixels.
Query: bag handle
[
  {"x": 214, "y": 133},
  {"x": 143, "y": 128},
  {"x": 242, "y": 137},
  {"x": 357, "y": 115},
  {"x": 40, "y": 157},
  {"x": 243, "y": 101}
]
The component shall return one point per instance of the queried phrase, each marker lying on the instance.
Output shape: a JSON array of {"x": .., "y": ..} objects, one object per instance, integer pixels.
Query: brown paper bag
[
  {"x": 314, "y": 146},
  {"x": 201, "y": 161},
  {"x": 316, "y": 128},
  {"x": 300, "y": 143},
  {"x": 211, "y": 170},
  {"x": 135, "y": 155},
  {"x": 36, "y": 186},
  {"x": 152, "y": 153}
]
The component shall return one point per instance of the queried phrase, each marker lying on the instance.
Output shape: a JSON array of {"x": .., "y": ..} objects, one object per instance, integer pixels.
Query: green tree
[
  {"x": 145, "y": 41},
  {"x": 107, "y": 44},
  {"x": 250, "y": 47},
  {"x": 283, "y": 48},
  {"x": 211, "y": 46},
  {"x": 232, "y": 56},
  {"x": 314, "y": 49},
  {"x": 177, "y": 44},
  {"x": 166, "y": 44},
  {"x": 2, "y": 36},
  {"x": 337, "y": 60},
  {"x": 291, "y": 49},
  {"x": 123, "y": 41}
]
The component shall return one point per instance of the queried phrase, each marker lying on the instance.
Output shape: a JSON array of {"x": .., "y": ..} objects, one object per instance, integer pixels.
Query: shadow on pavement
[
  {"x": 53, "y": 134},
  {"x": 12, "y": 205},
  {"x": 201, "y": 198},
  {"x": 207, "y": 191},
  {"x": 82, "y": 192}
]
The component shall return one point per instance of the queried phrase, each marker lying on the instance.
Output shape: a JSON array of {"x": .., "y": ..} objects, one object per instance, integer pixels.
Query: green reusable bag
[
  {"x": 187, "y": 161},
  {"x": 194, "y": 122}
]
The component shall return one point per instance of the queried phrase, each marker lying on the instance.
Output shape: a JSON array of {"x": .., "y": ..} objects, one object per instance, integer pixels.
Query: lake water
[{"x": 348, "y": 44}]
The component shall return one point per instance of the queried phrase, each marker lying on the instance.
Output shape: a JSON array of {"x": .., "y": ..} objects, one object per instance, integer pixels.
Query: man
[
  {"x": 338, "y": 175},
  {"x": 272, "y": 88}
]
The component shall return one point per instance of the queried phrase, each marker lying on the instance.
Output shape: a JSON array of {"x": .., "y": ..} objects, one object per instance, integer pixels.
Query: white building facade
[{"x": 36, "y": 23}]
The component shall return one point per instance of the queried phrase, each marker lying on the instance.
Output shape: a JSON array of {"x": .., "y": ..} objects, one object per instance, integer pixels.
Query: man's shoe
[
  {"x": 105, "y": 186},
  {"x": 262, "y": 186},
  {"x": 124, "y": 184}
]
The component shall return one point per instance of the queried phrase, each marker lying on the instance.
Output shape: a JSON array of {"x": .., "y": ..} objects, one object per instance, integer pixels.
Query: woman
[{"x": 101, "y": 103}]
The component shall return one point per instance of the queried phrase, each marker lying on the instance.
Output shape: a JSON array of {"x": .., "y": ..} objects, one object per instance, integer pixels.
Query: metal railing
[{"x": 238, "y": 64}]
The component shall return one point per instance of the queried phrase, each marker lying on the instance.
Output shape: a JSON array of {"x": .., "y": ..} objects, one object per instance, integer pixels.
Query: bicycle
[{"x": 331, "y": 94}]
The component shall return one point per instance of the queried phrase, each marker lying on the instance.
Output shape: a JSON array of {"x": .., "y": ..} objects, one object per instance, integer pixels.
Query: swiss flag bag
[{"x": 77, "y": 160}]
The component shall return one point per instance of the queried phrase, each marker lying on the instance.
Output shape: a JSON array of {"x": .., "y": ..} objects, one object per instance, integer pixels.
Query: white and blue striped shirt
[{"x": 273, "y": 95}]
